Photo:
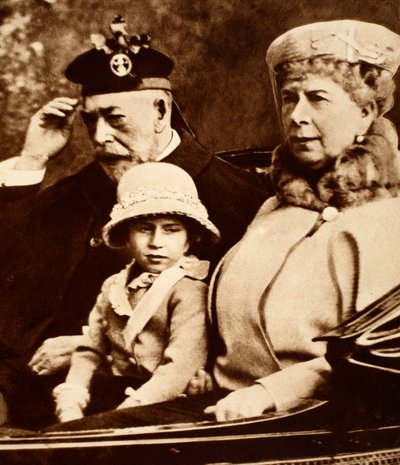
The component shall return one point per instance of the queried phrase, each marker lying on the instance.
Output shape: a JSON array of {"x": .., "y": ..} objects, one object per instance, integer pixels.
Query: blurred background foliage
[{"x": 219, "y": 47}]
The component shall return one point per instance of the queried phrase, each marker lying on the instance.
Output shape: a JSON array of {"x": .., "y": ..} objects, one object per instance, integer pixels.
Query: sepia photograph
[{"x": 200, "y": 246}]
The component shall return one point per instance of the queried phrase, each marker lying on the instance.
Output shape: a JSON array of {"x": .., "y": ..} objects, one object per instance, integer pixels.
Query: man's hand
[
  {"x": 200, "y": 383},
  {"x": 55, "y": 354},
  {"x": 49, "y": 131},
  {"x": 243, "y": 403}
]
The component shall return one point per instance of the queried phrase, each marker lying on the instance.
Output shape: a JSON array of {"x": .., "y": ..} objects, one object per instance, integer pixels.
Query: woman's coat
[{"x": 291, "y": 278}]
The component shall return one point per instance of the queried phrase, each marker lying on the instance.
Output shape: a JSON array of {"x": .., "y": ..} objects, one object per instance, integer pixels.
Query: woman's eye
[{"x": 317, "y": 98}]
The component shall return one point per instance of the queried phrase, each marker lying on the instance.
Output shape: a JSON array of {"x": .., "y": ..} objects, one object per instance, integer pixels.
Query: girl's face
[
  {"x": 157, "y": 243},
  {"x": 320, "y": 120}
]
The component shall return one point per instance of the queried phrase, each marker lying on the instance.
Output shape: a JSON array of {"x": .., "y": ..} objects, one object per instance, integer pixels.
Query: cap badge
[
  {"x": 121, "y": 64},
  {"x": 121, "y": 45}
]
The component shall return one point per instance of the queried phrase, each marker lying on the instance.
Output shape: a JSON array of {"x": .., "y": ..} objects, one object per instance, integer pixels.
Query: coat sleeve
[
  {"x": 9, "y": 176},
  {"x": 86, "y": 359},
  {"x": 17, "y": 204},
  {"x": 186, "y": 351},
  {"x": 292, "y": 385}
]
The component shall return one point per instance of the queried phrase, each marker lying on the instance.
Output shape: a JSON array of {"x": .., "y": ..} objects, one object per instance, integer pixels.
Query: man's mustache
[{"x": 112, "y": 157}]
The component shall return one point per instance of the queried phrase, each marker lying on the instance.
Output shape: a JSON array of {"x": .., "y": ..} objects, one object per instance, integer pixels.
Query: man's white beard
[
  {"x": 115, "y": 164},
  {"x": 116, "y": 169}
]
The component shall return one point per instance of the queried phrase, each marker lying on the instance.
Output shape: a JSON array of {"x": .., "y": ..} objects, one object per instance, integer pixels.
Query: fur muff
[{"x": 364, "y": 172}]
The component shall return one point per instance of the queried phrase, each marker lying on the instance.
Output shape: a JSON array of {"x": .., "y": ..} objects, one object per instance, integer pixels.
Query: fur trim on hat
[{"x": 363, "y": 173}]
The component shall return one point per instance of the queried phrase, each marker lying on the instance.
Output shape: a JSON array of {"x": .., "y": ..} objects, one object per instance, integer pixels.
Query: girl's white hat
[{"x": 156, "y": 188}]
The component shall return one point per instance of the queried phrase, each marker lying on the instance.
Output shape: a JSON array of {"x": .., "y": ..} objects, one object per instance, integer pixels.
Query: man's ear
[{"x": 161, "y": 115}]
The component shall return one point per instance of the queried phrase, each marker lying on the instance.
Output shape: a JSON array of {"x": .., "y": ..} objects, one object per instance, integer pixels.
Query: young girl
[{"x": 148, "y": 324}]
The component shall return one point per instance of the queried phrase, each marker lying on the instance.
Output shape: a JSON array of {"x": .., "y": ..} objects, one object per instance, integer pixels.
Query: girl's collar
[{"x": 132, "y": 278}]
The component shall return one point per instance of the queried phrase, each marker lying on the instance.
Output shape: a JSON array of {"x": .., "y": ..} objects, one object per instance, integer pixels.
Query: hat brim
[{"x": 155, "y": 207}]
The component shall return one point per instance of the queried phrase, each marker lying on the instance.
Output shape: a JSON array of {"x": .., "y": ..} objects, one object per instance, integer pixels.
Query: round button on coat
[{"x": 330, "y": 213}]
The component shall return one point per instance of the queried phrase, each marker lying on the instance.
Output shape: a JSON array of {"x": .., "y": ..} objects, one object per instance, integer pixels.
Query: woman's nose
[
  {"x": 103, "y": 132},
  {"x": 301, "y": 112}
]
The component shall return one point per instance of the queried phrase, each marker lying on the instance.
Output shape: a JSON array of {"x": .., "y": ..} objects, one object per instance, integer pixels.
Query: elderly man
[{"x": 53, "y": 259}]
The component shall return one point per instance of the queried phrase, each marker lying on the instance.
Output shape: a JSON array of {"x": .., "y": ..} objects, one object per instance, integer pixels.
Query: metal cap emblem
[{"x": 121, "y": 64}]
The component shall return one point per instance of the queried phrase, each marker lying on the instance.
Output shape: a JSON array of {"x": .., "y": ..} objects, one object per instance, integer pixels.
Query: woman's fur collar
[{"x": 365, "y": 172}]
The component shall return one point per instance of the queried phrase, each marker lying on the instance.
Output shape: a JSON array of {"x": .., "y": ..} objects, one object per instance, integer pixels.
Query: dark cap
[{"x": 120, "y": 63}]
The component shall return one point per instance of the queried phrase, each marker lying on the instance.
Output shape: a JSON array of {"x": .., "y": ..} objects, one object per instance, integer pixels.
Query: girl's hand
[
  {"x": 200, "y": 383},
  {"x": 71, "y": 401}
]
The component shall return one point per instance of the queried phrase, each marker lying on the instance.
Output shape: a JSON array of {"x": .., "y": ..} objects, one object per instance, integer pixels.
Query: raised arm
[{"x": 49, "y": 131}]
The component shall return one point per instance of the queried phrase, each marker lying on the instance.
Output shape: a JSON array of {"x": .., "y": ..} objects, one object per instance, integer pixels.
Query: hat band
[
  {"x": 154, "y": 83},
  {"x": 141, "y": 195},
  {"x": 125, "y": 84}
]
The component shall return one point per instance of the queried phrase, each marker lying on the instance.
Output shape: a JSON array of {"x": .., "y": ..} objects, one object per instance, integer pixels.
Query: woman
[{"x": 327, "y": 244}]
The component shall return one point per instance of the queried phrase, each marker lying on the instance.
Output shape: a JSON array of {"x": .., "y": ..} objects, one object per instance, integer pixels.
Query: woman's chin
[{"x": 310, "y": 160}]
